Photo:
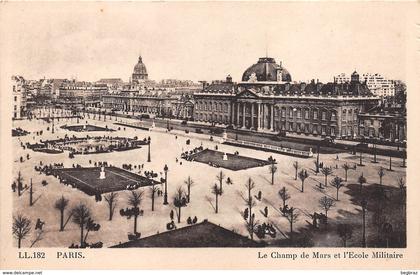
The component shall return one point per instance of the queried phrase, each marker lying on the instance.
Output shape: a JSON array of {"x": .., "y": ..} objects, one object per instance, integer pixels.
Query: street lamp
[
  {"x": 165, "y": 197},
  {"x": 148, "y": 154}
]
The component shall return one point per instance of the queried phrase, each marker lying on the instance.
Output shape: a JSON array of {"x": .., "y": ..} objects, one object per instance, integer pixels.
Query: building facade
[
  {"x": 266, "y": 100},
  {"x": 377, "y": 84},
  {"x": 85, "y": 93},
  {"x": 19, "y": 97}
]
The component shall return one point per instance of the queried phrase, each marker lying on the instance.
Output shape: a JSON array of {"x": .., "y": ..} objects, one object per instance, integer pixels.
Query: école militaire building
[{"x": 267, "y": 100}]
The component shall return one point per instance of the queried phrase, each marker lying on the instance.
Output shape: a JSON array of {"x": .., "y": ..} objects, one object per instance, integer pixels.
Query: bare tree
[
  {"x": 296, "y": 166},
  {"x": 363, "y": 203},
  {"x": 134, "y": 200},
  {"x": 111, "y": 199},
  {"x": 381, "y": 173},
  {"x": 326, "y": 203},
  {"x": 303, "y": 175},
  {"x": 292, "y": 216},
  {"x": 337, "y": 183},
  {"x": 61, "y": 205},
  {"x": 81, "y": 215},
  {"x": 326, "y": 171},
  {"x": 250, "y": 203},
  {"x": 390, "y": 164},
  {"x": 361, "y": 180},
  {"x": 220, "y": 178},
  {"x": 345, "y": 232},
  {"x": 346, "y": 168},
  {"x": 217, "y": 192},
  {"x": 401, "y": 185},
  {"x": 273, "y": 169},
  {"x": 189, "y": 182},
  {"x": 180, "y": 201},
  {"x": 153, "y": 190},
  {"x": 19, "y": 182},
  {"x": 284, "y": 195},
  {"x": 39, "y": 235},
  {"x": 31, "y": 194},
  {"x": 21, "y": 228}
]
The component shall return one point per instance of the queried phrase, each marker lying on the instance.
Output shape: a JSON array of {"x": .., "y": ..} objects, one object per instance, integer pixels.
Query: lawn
[
  {"x": 87, "y": 179},
  {"x": 85, "y": 128},
  {"x": 234, "y": 162}
]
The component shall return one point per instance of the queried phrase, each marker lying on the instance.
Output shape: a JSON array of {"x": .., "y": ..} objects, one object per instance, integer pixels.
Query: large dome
[
  {"x": 140, "y": 68},
  {"x": 266, "y": 70},
  {"x": 139, "y": 72}
]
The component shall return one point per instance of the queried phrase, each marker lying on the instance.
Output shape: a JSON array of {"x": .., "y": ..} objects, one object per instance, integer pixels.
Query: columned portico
[
  {"x": 272, "y": 118},
  {"x": 243, "y": 114}
]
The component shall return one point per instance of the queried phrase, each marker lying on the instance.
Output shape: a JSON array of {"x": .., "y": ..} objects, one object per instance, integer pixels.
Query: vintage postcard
[{"x": 243, "y": 135}]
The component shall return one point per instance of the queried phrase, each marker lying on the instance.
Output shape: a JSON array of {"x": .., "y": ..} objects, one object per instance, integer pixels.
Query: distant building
[
  {"x": 81, "y": 92},
  {"x": 111, "y": 83},
  {"x": 154, "y": 102},
  {"x": 378, "y": 84},
  {"x": 19, "y": 97}
]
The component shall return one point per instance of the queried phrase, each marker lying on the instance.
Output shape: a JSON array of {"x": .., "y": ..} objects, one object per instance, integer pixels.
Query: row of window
[
  {"x": 210, "y": 106},
  {"x": 213, "y": 118}
]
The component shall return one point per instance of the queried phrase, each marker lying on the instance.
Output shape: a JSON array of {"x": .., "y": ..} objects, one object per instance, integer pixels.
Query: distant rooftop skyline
[{"x": 189, "y": 41}]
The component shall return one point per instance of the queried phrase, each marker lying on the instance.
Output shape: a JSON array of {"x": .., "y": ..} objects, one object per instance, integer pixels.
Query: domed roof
[
  {"x": 140, "y": 68},
  {"x": 266, "y": 70}
]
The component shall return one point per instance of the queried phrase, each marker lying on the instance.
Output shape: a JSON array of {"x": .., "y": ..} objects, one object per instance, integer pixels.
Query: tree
[
  {"x": 19, "y": 181},
  {"x": 361, "y": 180},
  {"x": 296, "y": 166},
  {"x": 326, "y": 203},
  {"x": 346, "y": 167},
  {"x": 337, "y": 183},
  {"x": 111, "y": 199},
  {"x": 21, "y": 228},
  {"x": 363, "y": 203},
  {"x": 390, "y": 163},
  {"x": 292, "y": 217},
  {"x": 317, "y": 159},
  {"x": 361, "y": 159},
  {"x": 284, "y": 195},
  {"x": 180, "y": 201},
  {"x": 273, "y": 169},
  {"x": 345, "y": 232},
  {"x": 31, "y": 194},
  {"x": 303, "y": 174},
  {"x": 134, "y": 200},
  {"x": 401, "y": 185},
  {"x": 81, "y": 215},
  {"x": 381, "y": 173},
  {"x": 61, "y": 205},
  {"x": 217, "y": 192},
  {"x": 153, "y": 191},
  {"x": 326, "y": 171},
  {"x": 189, "y": 182},
  {"x": 220, "y": 178},
  {"x": 250, "y": 203}
]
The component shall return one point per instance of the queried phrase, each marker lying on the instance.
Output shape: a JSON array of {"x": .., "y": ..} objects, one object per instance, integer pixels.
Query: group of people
[
  {"x": 265, "y": 229},
  {"x": 189, "y": 155}
]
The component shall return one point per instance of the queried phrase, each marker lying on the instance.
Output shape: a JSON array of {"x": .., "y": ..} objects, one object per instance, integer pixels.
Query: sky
[{"x": 203, "y": 41}]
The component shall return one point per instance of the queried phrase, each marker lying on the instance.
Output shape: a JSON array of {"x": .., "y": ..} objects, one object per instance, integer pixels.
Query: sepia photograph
[{"x": 273, "y": 125}]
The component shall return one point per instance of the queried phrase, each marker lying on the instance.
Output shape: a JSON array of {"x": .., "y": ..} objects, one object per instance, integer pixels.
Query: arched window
[
  {"x": 344, "y": 115},
  {"x": 333, "y": 115}
]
